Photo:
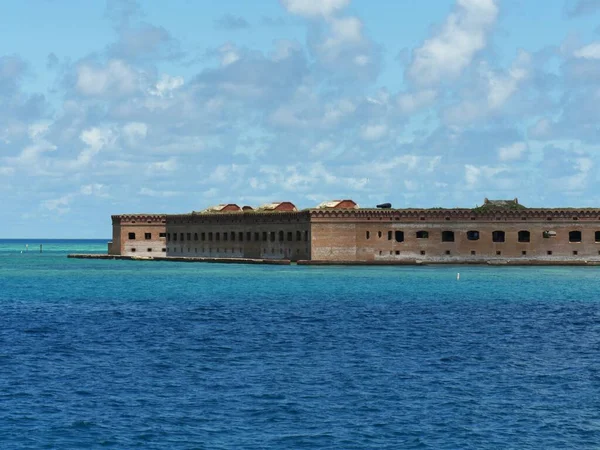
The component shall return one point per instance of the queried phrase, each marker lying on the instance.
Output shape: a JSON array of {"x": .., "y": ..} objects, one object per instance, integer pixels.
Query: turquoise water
[{"x": 142, "y": 354}]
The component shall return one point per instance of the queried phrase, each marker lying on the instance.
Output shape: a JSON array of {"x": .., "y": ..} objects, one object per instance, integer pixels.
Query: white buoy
[{"x": 458, "y": 276}]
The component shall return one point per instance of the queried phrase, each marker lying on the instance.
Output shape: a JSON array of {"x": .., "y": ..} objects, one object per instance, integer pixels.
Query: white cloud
[
  {"x": 116, "y": 78},
  {"x": 134, "y": 132},
  {"x": 223, "y": 173},
  {"x": 542, "y": 129},
  {"x": 501, "y": 88},
  {"x": 590, "y": 51},
  {"x": 322, "y": 148},
  {"x": 229, "y": 54},
  {"x": 5, "y": 170},
  {"x": 95, "y": 189},
  {"x": 165, "y": 86},
  {"x": 512, "y": 152},
  {"x": 446, "y": 54},
  {"x": 410, "y": 103},
  {"x": 315, "y": 8},
  {"x": 159, "y": 193},
  {"x": 474, "y": 174},
  {"x": 373, "y": 132},
  {"x": 96, "y": 139},
  {"x": 59, "y": 205},
  {"x": 169, "y": 165}
]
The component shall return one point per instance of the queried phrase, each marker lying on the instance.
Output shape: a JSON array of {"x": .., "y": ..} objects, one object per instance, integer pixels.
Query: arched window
[
  {"x": 447, "y": 236},
  {"x": 389, "y": 235},
  {"x": 524, "y": 236},
  {"x": 422, "y": 234},
  {"x": 399, "y": 236},
  {"x": 473, "y": 235},
  {"x": 368, "y": 235},
  {"x": 574, "y": 236},
  {"x": 498, "y": 236}
]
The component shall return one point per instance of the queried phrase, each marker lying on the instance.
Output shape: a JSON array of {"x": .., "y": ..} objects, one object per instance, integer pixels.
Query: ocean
[{"x": 138, "y": 354}]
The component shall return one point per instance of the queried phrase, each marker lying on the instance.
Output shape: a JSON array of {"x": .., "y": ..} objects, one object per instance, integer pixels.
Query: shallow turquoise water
[{"x": 178, "y": 355}]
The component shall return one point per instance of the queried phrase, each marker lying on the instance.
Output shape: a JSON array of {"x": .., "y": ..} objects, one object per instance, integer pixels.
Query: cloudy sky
[{"x": 121, "y": 106}]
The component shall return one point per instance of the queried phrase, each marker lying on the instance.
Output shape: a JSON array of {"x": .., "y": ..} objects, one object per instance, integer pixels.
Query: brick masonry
[{"x": 366, "y": 235}]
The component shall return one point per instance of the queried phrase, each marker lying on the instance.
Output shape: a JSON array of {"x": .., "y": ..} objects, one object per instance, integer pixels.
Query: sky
[{"x": 120, "y": 106}]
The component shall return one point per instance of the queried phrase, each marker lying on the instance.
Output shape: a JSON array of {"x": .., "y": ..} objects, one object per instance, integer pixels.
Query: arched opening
[
  {"x": 399, "y": 236},
  {"x": 498, "y": 236},
  {"x": 524, "y": 236},
  {"x": 473, "y": 235},
  {"x": 447, "y": 236},
  {"x": 574, "y": 236}
]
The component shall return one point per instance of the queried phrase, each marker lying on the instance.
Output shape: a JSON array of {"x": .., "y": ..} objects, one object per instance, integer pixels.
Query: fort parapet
[{"x": 340, "y": 231}]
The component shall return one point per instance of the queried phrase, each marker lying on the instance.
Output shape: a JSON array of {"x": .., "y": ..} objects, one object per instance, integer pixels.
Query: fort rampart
[{"x": 498, "y": 231}]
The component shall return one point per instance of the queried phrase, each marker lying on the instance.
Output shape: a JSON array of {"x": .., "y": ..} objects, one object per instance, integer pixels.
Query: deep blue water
[{"x": 133, "y": 354}]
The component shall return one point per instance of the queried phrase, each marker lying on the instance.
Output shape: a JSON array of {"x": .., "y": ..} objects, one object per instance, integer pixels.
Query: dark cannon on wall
[{"x": 384, "y": 205}]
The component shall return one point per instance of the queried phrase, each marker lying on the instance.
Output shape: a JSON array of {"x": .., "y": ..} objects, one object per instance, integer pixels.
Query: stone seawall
[
  {"x": 278, "y": 262},
  {"x": 456, "y": 262},
  {"x": 403, "y": 262}
]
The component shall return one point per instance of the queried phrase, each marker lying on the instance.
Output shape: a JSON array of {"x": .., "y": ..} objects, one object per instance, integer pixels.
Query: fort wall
[
  {"x": 430, "y": 235},
  {"x": 247, "y": 234},
  {"x": 138, "y": 234},
  {"x": 499, "y": 231}
]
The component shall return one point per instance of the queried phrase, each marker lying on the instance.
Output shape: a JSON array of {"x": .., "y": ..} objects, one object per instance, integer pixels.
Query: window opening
[
  {"x": 524, "y": 236},
  {"x": 399, "y": 235},
  {"x": 473, "y": 235},
  {"x": 574, "y": 236},
  {"x": 498, "y": 236},
  {"x": 447, "y": 236},
  {"x": 422, "y": 234}
]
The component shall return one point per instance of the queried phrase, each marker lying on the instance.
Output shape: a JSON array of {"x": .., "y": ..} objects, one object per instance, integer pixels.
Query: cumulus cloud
[
  {"x": 116, "y": 78},
  {"x": 231, "y": 22},
  {"x": 590, "y": 51},
  {"x": 311, "y": 8},
  {"x": 512, "y": 152},
  {"x": 576, "y": 8},
  {"x": 373, "y": 132},
  {"x": 451, "y": 49},
  {"x": 143, "y": 42}
]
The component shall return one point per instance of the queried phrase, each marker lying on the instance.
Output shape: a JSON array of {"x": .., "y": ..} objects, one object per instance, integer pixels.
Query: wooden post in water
[{"x": 40, "y": 248}]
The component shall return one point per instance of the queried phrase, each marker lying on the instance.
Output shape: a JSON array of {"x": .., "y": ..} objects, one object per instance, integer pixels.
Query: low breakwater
[{"x": 405, "y": 262}]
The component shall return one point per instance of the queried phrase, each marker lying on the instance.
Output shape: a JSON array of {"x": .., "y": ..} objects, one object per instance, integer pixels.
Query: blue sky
[{"x": 121, "y": 106}]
